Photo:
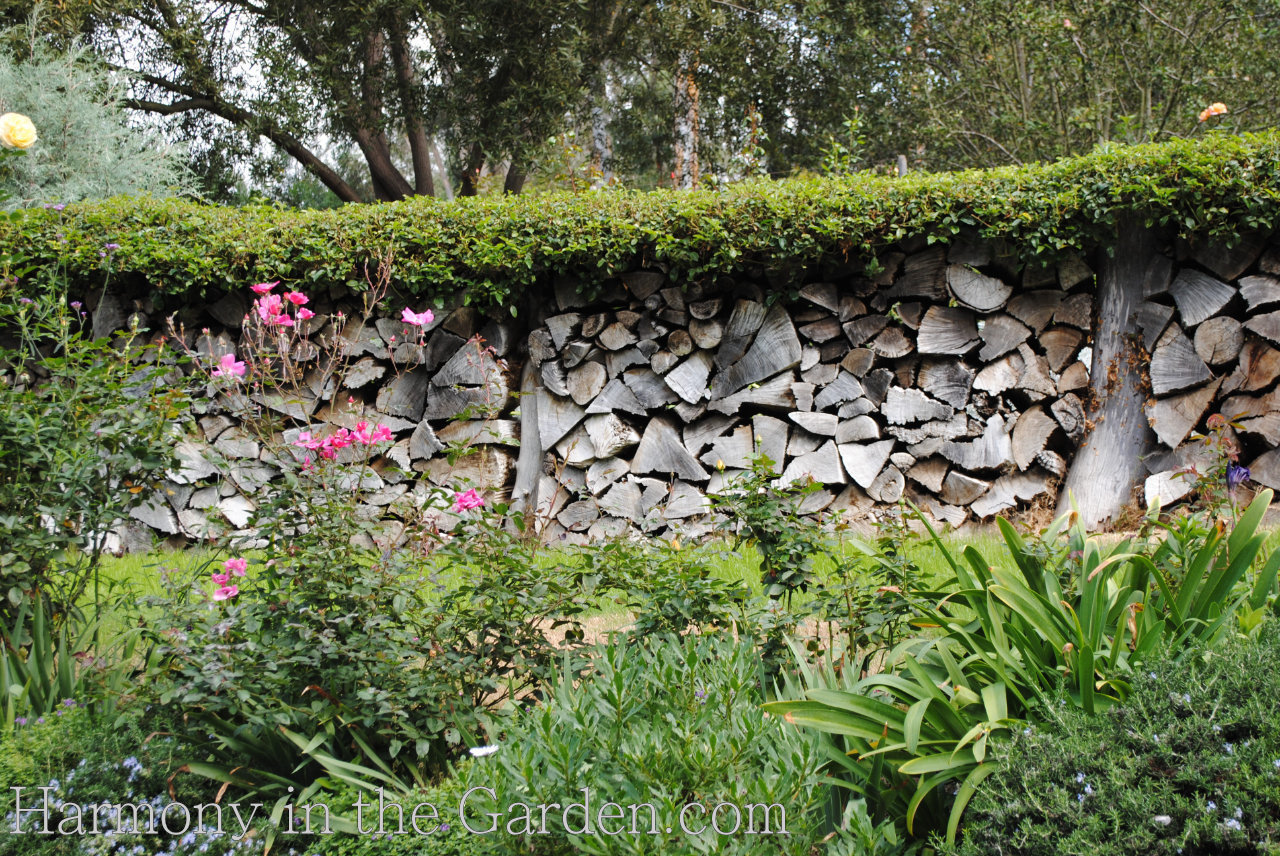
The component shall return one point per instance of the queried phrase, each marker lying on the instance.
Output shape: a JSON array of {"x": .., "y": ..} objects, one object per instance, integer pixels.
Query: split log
[
  {"x": 474, "y": 432},
  {"x": 821, "y": 375},
  {"x": 1075, "y": 377},
  {"x": 776, "y": 349},
  {"x": 700, "y": 434},
  {"x": 615, "y": 337},
  {"x": 948, "y": 429},
  {"x": 888, "y": 486},
  {"x": 616, "y": 362},
  {"x": 1032, "y": 430},
  {"x": 946, "y": 330},
  {"x": 706, "y": 334},
  {"x": 857, "y": 407},
  {"x": 892, "y": 343},
  {"x": 556, "y": 417},
  {"x": 1266, "y": 325},
  {"x": 977, "y": 291},
  {"x": 1060, "y": 345},
  {"x": 777, "y": 393},
  {"x": 1168, "y": 487},
  {"x": 1054, "y": 463},
  {"x": 404, "y": 396},
  {"x": 1036, "y": 308},
  {"x": 929, "y": 473},
  {"x": 1219, "y": 340},
  {"x": 1035, "y": 374},
  {"x": 662, "y": 362},
  {"x": 733, "y": 451},
  {"x": 623, "y": 500},
  {"x": 924, "y": 274},
  {"x": 1258, "y": 368},
  {"x": 561, "y": 327},
  {"x": 576, "y": 448},
  {"x": 906, "y": 406},
  {"x": 770, "y": 437},
  {"x": 575, "y": 352},
  {"x": 803, "y": 394},
  {"x": 1076, "y": 310},
  {"x": 1001, "y": 375},
  {"x": 1158, "y": 276},
  {"x": 1007, "y": 490},
  {"x": 858, "y": 361},
  {"x": 1000, "y": 335},
  {"x": 649, "y": 388},
  {"x": 684, "y": 501},
  {"x": 824, "y": 294},
  {"x": 1265, "y": 469},
  {"x": 990, "y": 451},
  {"x": 876, "y": 385},
  {"x": 1173, "y": 418},
  {"x": 822, "y": 465},
  {"x": 643, "y": 283},
  {"x": 862, "y": 329},
  {"x": 961, "y": 488},
  {"x": 577, "y": 516},
  {"x": 674, "y": 298},
  {"x": 689, "y": 379},
  {"x": 661, "y": 452},
  {"x": 948, "y": 381},
  {"x": 616, "y": 395},
  {"x": 610, "y": 435},
  {"x": 864, "y": 463},
  {"x": 555, "y": 378},
  {"x": 1199, "y": 296},
  {"x": 703, "y": 310},
  {"x": 850, "y": 308},
  {"x": 593, "y": 324},
  {"x": 1230, "y": 262},
  {"x": 605, "y": 472},
  {"x": 822, "y": 331},
  {"x": 856, "y": 429},
  {"x": 1260, "y": 290},
  {"x": 1069, "y": 412},
  {"x": 585, "y": 382},
  {"x": 844, "y": 388},
  {"x": 1152, "y": 319},
  {"x": 1072, "y": 271},
  {"x": 911, "y": 314},
  {"x": 821, "y": 424},
  {"x": 1175, "y": 365},
  {"x": 744, "y": 321}
]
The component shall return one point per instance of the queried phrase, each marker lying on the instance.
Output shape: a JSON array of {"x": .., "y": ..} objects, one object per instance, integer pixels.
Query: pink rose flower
[
  {"x": 297, "y": 298},
  {"x": 226, "y": 593},
  {"x": 282, "y": 321},
  {"x": 305, "y": 314},
  {"x": 236, "y": 566},
  {"x": 269, "y": 306},
  {"x": 470, "y": 499},
  {"x": 220, "y": 579},
  {"x": 264, "y": 287},
  {"x": 417, "y": 319},
  {"x": 229, "y": 366},
  {"x": 382, "y": 433}
]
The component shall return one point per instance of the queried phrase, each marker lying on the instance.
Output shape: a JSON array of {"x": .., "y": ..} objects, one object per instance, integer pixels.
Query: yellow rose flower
[{"x": 16, "y": 131}]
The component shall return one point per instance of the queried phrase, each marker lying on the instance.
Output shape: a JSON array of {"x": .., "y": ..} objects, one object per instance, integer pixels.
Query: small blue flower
[
  {"x": 1236, "y": 476},
  {"x": 1211, "y": 806},
  {"x": 1232, "y": 823}
]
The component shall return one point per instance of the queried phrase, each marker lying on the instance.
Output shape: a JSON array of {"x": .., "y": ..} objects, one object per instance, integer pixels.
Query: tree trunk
[
  {"x": 467, "y": 182},
  {"x": 410, "y": 94},
  {"x": 514, "y": 182},
  {"x": 601, "y": 152},
  {"x": 686, "y": 126},
  {"x": 1108, "y": 464}
]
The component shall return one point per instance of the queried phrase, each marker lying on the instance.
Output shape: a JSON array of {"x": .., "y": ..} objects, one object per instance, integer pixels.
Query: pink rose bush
[
  {"x": 237, "y": 567},
  {"x": 464, "y": 501}
]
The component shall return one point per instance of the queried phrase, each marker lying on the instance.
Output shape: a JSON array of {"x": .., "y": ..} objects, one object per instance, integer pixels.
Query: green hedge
[{"x": 489, "y": 250}]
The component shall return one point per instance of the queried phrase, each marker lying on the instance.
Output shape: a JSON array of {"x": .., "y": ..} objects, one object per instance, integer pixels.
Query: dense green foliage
[
  {"x": 1190, "y": 764},
  {"x": 493, "y": 250}
]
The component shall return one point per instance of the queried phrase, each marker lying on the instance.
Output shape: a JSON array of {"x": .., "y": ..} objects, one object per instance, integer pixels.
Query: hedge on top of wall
[{"x": 491, "y": 249}]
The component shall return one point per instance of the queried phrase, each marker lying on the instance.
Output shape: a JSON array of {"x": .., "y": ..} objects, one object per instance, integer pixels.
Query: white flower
[{"x": 481, "y": 751}]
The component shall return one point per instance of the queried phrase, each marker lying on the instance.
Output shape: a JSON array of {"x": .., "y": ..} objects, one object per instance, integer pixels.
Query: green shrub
[
  {"x": 492, "y": 251},
  {"x": 1189, "y": 765}
]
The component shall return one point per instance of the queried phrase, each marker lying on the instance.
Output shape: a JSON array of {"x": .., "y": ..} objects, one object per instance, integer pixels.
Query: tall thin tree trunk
[
  {"x": 686, "y": 126},
  {"x": 601, "y": 152},
  {"x": 471, "y": 171},
  {"x": 445, "y": 181},
  {"x": 514, "y": 182},
  {"x": 410, "y": 94}
]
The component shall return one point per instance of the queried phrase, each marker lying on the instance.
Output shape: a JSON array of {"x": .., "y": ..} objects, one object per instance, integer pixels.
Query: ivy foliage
[{"x": 488, "y": 251}]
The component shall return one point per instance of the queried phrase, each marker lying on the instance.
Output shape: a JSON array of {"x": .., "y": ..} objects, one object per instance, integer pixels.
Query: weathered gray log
[
  {"x": 609, "y": 434},
  {"x": 423, "y": 442},
  {"x": 616, "y": 337},
  {"x": 823, "y": 294},
  {"x": 822, "y": 375},
  {"x": 1152, "y": 319},
  {"x": 561, "y": 327},
  {"x": 744, "y": 321},
  {"x": 864, "y": 463},
  {"x": 777, "y": 393},
  {"x": 362, "y": 373},
  {"x": 616, "y": 362},
  {"x": 616, "y": 395},
  {"x": 775, "y": 349},
  {"x": 990, "y": 451},
  {"x": 771, "y": 439},
  {"x": 1060, "y": 345},
  {"x": 685, "y": 501},
  {"x": 1230, "y": 262},
  {"x": 892, "y": 343},
  {"x": 911, "y": 314},
  {"x": 929, "y": 473},
  {"x": 585, "y": 382},
  {"x": 850, "y": 308},
  {"x": 706, "y": 334},
  {"x": 1258, "y": 368},
  {"x": 946, "y": 429},
  {"x": 1036, "y": 308},
  {"x": 1035, "y": 374},
  {"x": 1267, "y": 325},
  {"x": 907, "y": 406},
  {"x": 1167, "y": 487},
  {"x": 1000, "y": 335},
  {"x": 1108, "y": 464},
  {"x": 1072, "y": 271},
  {"x": 1076, "y": 310},
  {"x": 1032, "y": 430},
  {"x": 405, "y": 395},
  {"x": 844, "y": 388},
  {"x": 661, "y": 452},
  {"x": 576, "y": 448},
  {"x": 649, "y": 388},
  {"x": 861, "y": 330},
  {"x": 674, "y": 298},
  {"x": 605, "y": 472},
  {"x": 902, "y": 460},
  {"x": 856, "y": 429},
  {"x": 1219, "y": 340},
  {"x": 961, "y": 488},
  {"x": 1265, "y": 469},
  {"x": 689, "y": 379},
  {"x": 821, "y": 424},
  {"x": 485, "y": 467},
  {"x": 858, "y": 361},
  {"x": 593, "y": 324},
  {"x": 1053, "y": 463},
  {"x": 623, "y": 500},
  {"x": 524, "y": 492},
  {"x": 803, "y": 394},
  {"x": 924, "y": 274},
  {"x": 888, "y": 486},
  {"x": 1075, "y": 376},
  {"x": 1174, "y": 364},
  {"x": 470, "y": 432},
  {"x": 1173, "y": 418},
  {"x": 822, "y": 465},
  {"x": 698, "y": 435},
  {"x": 577, "y": 351},
  {"x": 556, "y": 417},
  {"x": 541, "y": 347},
  {"x": 680, "y": 343},
  {"x": 857, "y": 407},
  {"x": 732, "y": 451},
  {"x": 577, "y": 516},
  {"x": 703, "y": 310},
  {"x": 1001, "y": 375},
  {"x": 948, "y": 381},
  {"x": 1260, "y": 290},
  {"x": 1007, "y": 490},
  {"x": 876, "y": 385},
  {"x": 823, "y": 330},
  {"x": 977, "y": 291},
  {"x": 947, "y": 330},
  {"x": 1199, "y": 296},
  {"x": 555, "y": 378},
  {"x": 662, "y": 362}
]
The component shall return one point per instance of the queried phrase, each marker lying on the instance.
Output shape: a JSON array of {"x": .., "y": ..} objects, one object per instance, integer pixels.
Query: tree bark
[
  {"x": 410, "y": 92},
  {"x": 515, "y": 179},
  {"x": 1108, "y": 463},
  {"x": 467, "y": 182},
  {"x": 686, "y": 124}
]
